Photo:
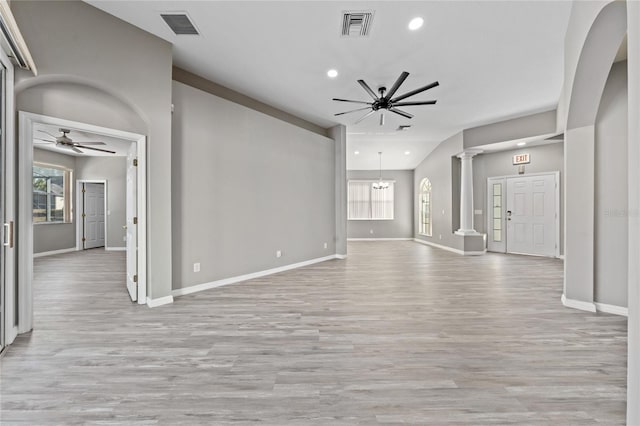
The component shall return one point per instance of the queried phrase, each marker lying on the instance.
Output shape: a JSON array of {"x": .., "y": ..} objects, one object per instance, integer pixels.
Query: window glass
[
  {"x": 368, "y": 203},
  {"x": 50, "y": 194}
]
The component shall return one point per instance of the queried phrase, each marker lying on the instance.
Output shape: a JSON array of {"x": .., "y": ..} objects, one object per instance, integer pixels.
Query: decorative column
[{"x": 466, "y": 193}]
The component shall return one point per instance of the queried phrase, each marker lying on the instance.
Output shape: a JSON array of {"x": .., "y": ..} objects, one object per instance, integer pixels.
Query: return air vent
[
  {"x": 179, "y": 23},
  {"x": 356, "y": 23}
]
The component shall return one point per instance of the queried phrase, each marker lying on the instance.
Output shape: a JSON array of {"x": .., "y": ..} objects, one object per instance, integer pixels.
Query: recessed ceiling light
[
  {"x": 357, "y": 152},
  {"x": 521, "y": 143},
  {"x": 332, "y": 73},
  {"x": 407, "y": 152},
  {"x": 416, "y": 23}
]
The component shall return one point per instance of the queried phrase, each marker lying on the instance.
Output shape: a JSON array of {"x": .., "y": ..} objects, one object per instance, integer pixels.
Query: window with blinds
[{"x": 367, "y": 203}]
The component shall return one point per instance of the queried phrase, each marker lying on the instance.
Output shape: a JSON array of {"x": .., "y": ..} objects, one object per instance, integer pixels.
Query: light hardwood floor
[{"x": 397, "y": 333}]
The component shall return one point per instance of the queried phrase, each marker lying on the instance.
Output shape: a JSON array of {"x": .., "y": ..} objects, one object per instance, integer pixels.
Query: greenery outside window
[{"x": 51, "y": 194}]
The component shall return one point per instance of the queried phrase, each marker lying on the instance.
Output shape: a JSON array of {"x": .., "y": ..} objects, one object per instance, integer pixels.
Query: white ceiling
[
  {"x": 120, "y": 146},
  {"x": 493, "y": 59}
]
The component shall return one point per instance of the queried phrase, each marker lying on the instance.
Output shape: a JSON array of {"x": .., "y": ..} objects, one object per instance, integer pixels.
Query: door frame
[
  {"x": 80, "y": 210},
  {"x": 556, "y": 175},
  {"x": 9, "y": 323},
  {"x": 26, "y": 120}
]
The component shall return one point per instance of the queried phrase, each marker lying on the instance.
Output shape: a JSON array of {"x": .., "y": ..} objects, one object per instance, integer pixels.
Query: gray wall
[
  {"x": 611, "y": 205},
  {"x": 55, "y": 236},
  {"x": 544, "y": 158},
  {"x": 402, "y": 224},
  {"x": 437, "y": 166},
  {"x": 60, "y": 236},
  {"x": 517, "y": 128},
  {"x": 245, "y": 185},
  {"x": 104, "y": 54},
  {"x": 114, "y": 171}
]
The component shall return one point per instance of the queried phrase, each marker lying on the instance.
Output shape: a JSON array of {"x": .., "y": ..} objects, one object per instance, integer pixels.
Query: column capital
[{"x": 469, "y": 153}]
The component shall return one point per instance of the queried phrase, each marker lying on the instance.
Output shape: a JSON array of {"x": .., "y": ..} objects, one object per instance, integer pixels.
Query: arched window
[{"x": 424, "y": 225}]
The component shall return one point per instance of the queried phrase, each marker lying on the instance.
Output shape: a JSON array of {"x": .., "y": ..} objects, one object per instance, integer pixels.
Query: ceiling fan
[
  {"x": 66, "y": 142},
  {"x": 387, "y": 101}
]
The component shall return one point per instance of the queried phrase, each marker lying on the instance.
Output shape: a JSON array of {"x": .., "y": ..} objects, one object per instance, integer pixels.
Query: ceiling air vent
[
  {"x": 179, "y": 23},
  {"x": 356, "y": 24}
]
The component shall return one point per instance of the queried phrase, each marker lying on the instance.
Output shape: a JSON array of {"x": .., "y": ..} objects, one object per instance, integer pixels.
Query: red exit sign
[{"x": 521, "y": 159}]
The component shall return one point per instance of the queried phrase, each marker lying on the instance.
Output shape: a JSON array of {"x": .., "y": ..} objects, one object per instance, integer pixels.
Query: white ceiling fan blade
[
  {"x": 89, "y": 143},
  {"x": 47, "y": 133},
  {"x": 43, "y": 140}
]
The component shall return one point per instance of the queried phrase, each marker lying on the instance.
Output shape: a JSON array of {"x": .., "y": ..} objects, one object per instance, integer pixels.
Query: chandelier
[{"x": 380, "y": 184}]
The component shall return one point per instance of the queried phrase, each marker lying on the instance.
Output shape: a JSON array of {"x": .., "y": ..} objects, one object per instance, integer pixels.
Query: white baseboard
[
  {"x": 239, "y": 278},
  {"x": 115, "y": 248},
  {"x": 561, "y": 257},
  {"x": 451, "y": 249},
  {"x": 379, "y": 239},
  {"x": 341, "y": 256},
  {"x": 578, "y": 304},
  {"x": 52, "y": 252},
  {"x": 612, "y": 309},
  {"x": 154, "y": 303}
]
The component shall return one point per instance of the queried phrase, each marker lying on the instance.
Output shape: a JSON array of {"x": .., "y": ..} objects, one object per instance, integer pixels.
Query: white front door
[
  {"x": 93, "y": 215},
  {"x": 132, "y": 223},
  {"x": 531, "y": 215},
  {"x": 496, "y": 235}
]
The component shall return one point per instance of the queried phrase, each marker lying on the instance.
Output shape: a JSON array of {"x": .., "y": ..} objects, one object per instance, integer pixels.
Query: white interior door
[
  {"x": 93, "y": 215},
  {"x": 496, "y": 209},
  {"x": 132, "y": 223},
  {"x": 531, "y": 215},
  {"x": 8, "y": 323},
  {"x": 5, "y": 229}
]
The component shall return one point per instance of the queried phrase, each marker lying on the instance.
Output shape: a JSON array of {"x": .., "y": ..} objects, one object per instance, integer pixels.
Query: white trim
[
  {"x": 451, "y": 249},
  {"x": 578, "y": 304},
  {"x": 341, "y": 256},
  {"x": 372, "y": 180},
  {"x": 239, "y": 278},
  {"x": 379, "y": 239},
  {"x": 26, "y": 120},
  {"x": 141, "y": 195},
  {"x": 115, "y": 248},
  {"x": 54, "y": 252},
  {"x": 9, "y": 133},
  {"x": 80, "y": 210},
  {"x": 154, "y": 303},
  {"x": 561, "y": 257},
  {"x": 612, "y": 309}
]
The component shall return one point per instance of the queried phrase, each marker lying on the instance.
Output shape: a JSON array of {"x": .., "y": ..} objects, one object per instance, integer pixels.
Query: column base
[{"x": 465, "y": 232}]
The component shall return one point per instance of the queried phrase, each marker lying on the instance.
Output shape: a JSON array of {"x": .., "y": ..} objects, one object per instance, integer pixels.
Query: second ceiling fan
[
  {"x": 386, "y": 101},
  {"x": 66, "y": 142}
]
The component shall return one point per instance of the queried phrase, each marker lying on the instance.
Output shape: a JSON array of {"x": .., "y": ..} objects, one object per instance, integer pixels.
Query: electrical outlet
[
  {"x": 326, "y": 245},
  {"x": 440, "y": 237},
  {"x": 124, "y": 238},
  {"x": 278, "y": 253},
  {"x": 371, "y": 231},
  {"x": 442, "y": 211},
  {"x": 196, "y": 267}
]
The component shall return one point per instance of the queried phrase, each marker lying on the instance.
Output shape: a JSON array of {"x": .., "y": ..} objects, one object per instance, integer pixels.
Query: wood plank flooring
[{"x": 399, "y": 333}]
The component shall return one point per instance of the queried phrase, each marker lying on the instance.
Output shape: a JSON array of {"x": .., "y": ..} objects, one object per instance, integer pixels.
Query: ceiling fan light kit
[{"x": 382, "y": 101}]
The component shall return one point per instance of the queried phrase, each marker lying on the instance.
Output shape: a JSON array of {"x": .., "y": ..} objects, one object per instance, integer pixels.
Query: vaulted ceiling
[{"x": 493, "y": 60}]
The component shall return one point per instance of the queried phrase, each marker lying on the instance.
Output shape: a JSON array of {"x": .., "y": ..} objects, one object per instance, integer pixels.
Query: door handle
[
  {"x": 124, "y": 226},
  {"x": 8, "y": 235},
  {"x": 508, "y": 214}
]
